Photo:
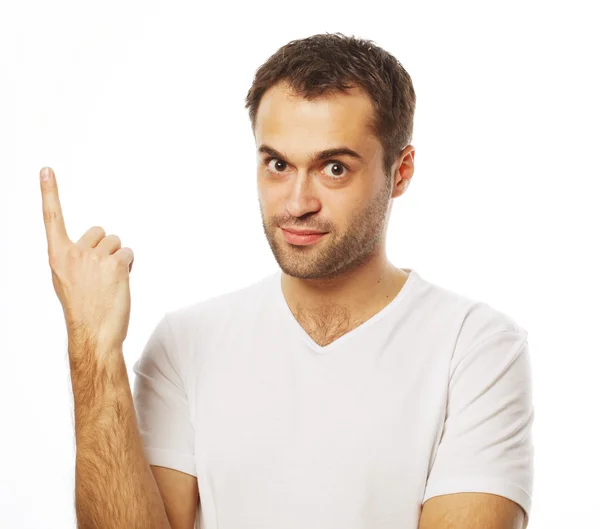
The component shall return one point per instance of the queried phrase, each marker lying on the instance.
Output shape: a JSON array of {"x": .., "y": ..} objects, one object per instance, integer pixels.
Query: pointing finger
[{"x": 56, "y": 232}]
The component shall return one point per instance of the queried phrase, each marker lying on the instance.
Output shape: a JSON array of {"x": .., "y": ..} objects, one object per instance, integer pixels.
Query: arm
[
  {"x": 164, "y": 415},
  {"x": 482, "y": 472},
  {"x": 471, "y": 510},
  {"x": 180, "y": 494},
  {"x": 114, "y": 485}
]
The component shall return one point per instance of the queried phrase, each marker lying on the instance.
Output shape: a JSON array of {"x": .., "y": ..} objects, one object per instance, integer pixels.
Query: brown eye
[
  {"x": 337, "y": 168},
  {"x": 277, "y": 167}
]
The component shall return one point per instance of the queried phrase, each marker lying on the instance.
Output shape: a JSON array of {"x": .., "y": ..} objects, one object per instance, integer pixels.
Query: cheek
[
  {"x": 265, "y": 197},
  {"x": 270, "y": 209},
  {"x": 272, "y": 198}
]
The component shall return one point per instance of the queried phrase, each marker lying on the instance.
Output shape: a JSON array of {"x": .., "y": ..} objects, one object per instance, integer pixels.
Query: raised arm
[{"x": 114, "y": 486}]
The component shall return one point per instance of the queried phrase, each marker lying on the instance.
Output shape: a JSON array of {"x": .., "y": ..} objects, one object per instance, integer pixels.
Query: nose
[{"x": 302, "y": 195}]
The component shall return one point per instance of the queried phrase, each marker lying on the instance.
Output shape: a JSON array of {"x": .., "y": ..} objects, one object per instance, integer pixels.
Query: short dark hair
[{"x": 326, "y": 63}]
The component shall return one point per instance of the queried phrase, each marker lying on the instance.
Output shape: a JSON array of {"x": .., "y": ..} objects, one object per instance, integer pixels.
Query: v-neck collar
[{"x": 289, "y": 315}]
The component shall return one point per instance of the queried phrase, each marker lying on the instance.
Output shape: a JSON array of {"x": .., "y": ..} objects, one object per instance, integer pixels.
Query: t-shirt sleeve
[
  {"x": 486, "y": 444},
  {"x": 161, "y": 403}
]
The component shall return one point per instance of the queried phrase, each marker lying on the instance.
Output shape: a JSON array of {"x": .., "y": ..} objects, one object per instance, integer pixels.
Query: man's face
[{"x": 350, "y": 202}]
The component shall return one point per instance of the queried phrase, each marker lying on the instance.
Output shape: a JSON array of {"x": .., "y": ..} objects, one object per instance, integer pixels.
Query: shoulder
[
  {"x": 208, "y": 314},
  {"x": 470, "y": 321}
]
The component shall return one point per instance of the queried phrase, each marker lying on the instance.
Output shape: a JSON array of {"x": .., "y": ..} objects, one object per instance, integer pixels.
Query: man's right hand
[{"x": 90, "y": 277}]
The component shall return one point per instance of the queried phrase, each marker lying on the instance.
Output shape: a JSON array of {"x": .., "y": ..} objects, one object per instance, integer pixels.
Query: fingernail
[{"x": 45, "y": 174}]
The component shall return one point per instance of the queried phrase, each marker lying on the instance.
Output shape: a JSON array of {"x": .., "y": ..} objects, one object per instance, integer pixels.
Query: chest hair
[{"x": 327, "y": 323}]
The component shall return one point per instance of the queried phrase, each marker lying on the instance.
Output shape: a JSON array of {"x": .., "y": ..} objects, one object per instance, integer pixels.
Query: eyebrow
[{"x": 319, "y": 156}]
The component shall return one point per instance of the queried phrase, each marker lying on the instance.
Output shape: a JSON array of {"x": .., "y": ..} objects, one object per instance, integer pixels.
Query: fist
[{"x": 90, "y": 276}]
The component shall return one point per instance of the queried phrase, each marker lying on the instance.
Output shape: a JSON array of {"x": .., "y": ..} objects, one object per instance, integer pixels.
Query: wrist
[{"x": 94, "y": 361}]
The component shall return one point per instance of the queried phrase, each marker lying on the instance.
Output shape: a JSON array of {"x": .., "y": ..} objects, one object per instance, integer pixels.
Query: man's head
[{"x": 315, "y": 94}]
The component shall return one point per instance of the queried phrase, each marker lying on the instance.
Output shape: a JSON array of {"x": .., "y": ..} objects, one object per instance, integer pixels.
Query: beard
[{"x": 334, "y": 254}]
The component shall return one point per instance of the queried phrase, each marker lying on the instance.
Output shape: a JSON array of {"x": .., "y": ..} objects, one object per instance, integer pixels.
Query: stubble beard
[{"x": 332, "y": 257}]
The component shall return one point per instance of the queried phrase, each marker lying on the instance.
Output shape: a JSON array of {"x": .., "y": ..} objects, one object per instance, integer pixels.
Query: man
[{"x": 341, "y": 391}]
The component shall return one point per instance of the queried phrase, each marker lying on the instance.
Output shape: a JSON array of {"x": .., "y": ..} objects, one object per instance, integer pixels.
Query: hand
[{"x": 90, "y": 277}]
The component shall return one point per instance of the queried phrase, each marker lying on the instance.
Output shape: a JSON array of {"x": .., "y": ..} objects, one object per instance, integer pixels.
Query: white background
[{"x": 139, "y": 109}]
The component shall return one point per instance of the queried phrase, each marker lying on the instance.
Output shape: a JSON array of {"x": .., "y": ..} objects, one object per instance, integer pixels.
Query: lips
[
  {"x": 299, "y": 232},
  {"x": 301, "y": 239}
]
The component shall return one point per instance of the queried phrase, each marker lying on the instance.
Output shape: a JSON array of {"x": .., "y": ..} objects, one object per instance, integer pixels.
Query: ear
[{"x": 403, "y": 168}]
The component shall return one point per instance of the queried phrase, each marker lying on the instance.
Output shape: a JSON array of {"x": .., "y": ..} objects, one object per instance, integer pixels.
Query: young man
[{"x": 341, "y": 392}]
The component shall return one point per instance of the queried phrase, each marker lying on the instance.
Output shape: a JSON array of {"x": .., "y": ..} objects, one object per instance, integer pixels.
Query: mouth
[{"x": 302, "y": 238}]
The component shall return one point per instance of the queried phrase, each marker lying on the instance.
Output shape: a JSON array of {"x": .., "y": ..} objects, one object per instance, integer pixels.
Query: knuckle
[
  {"x": 127, "y": 252},
  {"x": 50, "y": 216},
  {"x": 53, "y": 261},
  {"x": 114, "y": 238},
  {"x": 74, "y": 252},
  {"x": 94, "y": 231}
]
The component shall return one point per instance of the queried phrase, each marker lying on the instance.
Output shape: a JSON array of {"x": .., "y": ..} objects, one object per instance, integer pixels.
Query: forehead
[{"x": 339, "y": 118}]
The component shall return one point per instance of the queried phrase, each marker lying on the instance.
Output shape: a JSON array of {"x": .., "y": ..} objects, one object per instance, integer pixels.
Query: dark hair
[{"x": 326, "y": 63}]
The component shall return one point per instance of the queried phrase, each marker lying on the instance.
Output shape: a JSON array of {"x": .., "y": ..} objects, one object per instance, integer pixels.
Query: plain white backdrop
[{"x": 138, "y": 106}]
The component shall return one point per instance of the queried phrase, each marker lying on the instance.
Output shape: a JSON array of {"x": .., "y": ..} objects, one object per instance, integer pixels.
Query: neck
[{"x": 363, "y": 290}]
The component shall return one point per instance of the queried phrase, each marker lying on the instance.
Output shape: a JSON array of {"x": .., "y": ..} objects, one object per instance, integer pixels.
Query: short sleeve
[
  {"x": 486, "y": 444},
  {"x": 161, "y": 403}
]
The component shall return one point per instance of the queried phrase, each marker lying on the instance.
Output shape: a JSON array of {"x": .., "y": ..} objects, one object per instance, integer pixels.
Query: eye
[
  {"x": 338, "y": 165},
  {"x": 275, "y": 168}
]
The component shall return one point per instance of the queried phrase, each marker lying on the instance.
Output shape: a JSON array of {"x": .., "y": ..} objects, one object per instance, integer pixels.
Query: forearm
[{"x": 114, "y": 486}]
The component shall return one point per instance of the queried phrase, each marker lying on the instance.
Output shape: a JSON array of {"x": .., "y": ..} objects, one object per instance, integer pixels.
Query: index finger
[{"x": 56, "y": 232}]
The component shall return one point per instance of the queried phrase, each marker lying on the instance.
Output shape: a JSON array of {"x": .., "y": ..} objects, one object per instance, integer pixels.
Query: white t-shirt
[{"x": 432, "y": 395}]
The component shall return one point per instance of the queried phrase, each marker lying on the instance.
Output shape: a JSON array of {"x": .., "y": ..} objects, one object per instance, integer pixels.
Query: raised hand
[{"x": 90, "y": 277}]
